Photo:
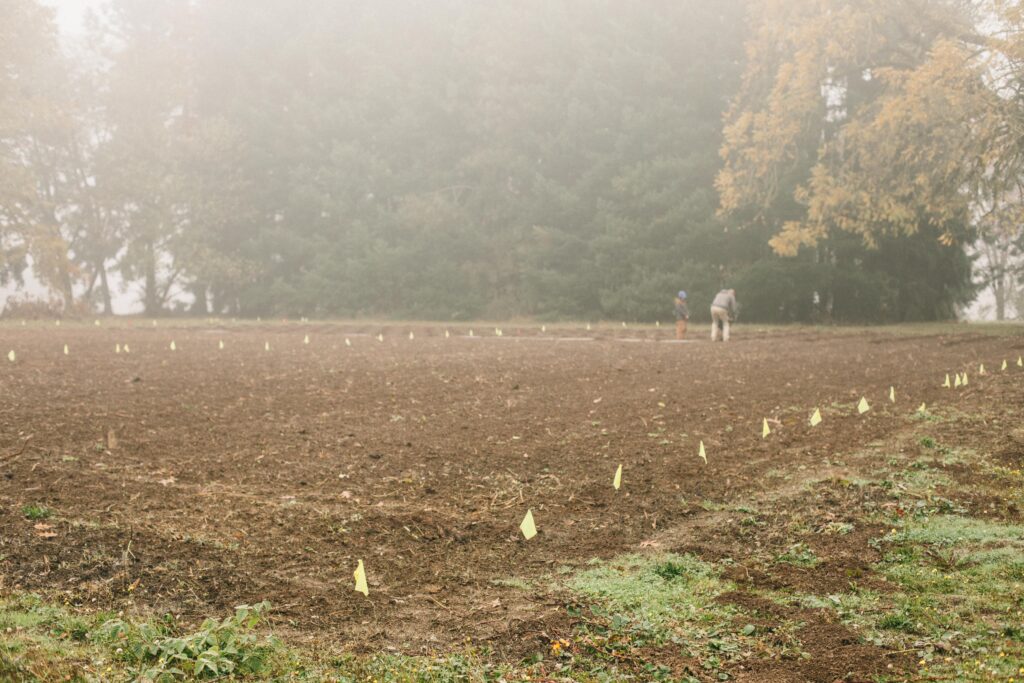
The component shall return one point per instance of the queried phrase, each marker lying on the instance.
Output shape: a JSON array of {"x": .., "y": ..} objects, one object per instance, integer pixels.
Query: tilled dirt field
[{"x": 196, "y": 479}]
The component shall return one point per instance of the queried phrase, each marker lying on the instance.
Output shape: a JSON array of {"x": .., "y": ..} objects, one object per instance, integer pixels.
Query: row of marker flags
[{"x": 528, "y": 526}]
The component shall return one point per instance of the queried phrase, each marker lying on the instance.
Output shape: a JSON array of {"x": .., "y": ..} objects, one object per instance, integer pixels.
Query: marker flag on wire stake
[
  {"x": 348, "y": 342},
  {"x": 126, "y": 349},
  {"x": 380, "y": 337},
  {"x": 305, "y": 340},
  {"x": 702, "y": 453},
  {"x": 220, "y": 345},
  {"x": 617, "y": 481},
  {"x": 957, "y": 383},
  {"x": 946, "y": 384},
  {"x": 923, "y": 409},
  {"x": 1020, "y": 362},
  {"x": 965, "y": 380},
  {"x": 360, "y": 576},
  {"x": 863, "y": 406},
  {"x": 411, "y": 335},
  {"x": 174, "y": 347},
  {"x": 12, "y": 356},
  {"x": 765, "y": 430},
  {"x": 266, "y": 346},
  {"x": 1004, "y": 365},
  {"x": 816, "y": 418},
  {"x": 471, "y": 333},
  {"x": 588, "y": 327},
  {"x": 527, "y": 526},
  {"x": 447, "y": 334},
  {"x": 892, "y": 394},
  {"x": 117, "y": 348},
  {"x": 65, "y": 349},
  {"x": 981, "y": 370}
]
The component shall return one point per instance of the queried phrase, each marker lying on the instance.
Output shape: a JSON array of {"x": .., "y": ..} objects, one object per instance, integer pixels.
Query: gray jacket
[{"x": 725, "y": 299}]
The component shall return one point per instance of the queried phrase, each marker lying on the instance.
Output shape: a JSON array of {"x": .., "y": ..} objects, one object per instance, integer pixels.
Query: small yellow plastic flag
[
  {"x": 65, "y": 349},
  {"x": 96, "y": 323},
  {"x": 305, "y": 340},
  {"x": 816, "y": 418},
  {"x": 1020, "y": 362},
  {"x": 702, "y": 453},
  {"x": 58, "y": 323},
  {"x": 543, "y": 328},
  {"x": 348, "y": 342},
  {"x": 957, "y": 383},
  {"x": 1004, "y": 365},
  {"x": 981, "y": 370},
  {"x": 117, "y": 348},
  {"x": 411, "y": 335},
  {"x": 447, "y": 334},
  {"x": 588, "y": 327},
  {"x": 623, "y": 323},
  {"x": 946, "y": 383},
  {"x": 126, "y": 349},
  {"x": 923, "y": 409},
  {"x": 765, "y": 430},
  {"x": 220, "y": 345},
  {"x": 965, "y": 380},
  {"x": 360, "y": 576},
  {"x": 892, "y": 394},
  {"x": 174, "y": 347},
  {"x": 266, "y": 346},
  {"x": 527, "y": 526},
  {"x": 863, "y": 406},
  {"x": 380, "y": 337},
  {"x": 657, "y": 323},
  {"x": 617, "y": 481},
  {"x": 11, "y": 356},
  {"x": 497, "y": 332}
]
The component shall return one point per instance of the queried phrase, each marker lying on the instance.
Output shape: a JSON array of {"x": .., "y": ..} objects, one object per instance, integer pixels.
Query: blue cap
[{"x": 682, "y": 294}]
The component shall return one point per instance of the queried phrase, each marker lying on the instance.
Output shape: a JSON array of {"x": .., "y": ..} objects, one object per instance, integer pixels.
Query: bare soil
[{"x": 193, "y": 480}]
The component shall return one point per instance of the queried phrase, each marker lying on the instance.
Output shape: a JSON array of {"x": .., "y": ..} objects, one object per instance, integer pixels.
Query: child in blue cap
[{"x": 682, "y": 315}]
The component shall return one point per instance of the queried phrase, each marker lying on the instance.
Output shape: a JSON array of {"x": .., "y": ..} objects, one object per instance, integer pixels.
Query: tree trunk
[
  {"x": 108, "y": 308},
  {"x": 152, "y": 298}
]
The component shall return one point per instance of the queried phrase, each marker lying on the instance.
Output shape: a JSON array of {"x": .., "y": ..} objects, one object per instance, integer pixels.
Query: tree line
[{"x": 832, "y": 160}]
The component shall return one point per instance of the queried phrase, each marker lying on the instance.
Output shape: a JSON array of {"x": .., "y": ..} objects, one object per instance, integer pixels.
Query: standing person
[
  {"x": 723, "y": 309},
  {"x": 682, "y": 315}
]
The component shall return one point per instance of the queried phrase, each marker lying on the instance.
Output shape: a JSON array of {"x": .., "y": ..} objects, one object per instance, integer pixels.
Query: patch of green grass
[
  {"x": 36, "y": 511},
  {"x": 798, "y": 554}
]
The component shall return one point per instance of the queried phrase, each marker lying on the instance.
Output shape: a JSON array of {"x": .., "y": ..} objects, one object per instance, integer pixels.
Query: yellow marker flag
[
  {"x": 220, "y": 345},
  {"x": 765, "y": 431},
  {"x": 11, "y": 356},
  {"x": 617, "y": 481},
  {"x": 360, "y": 576},
  {"x": 946, "y": 383},
  {"x": 58, "y": 323},
  {"x": 1004, "y": 365},
  {"x": 892, "y": 394},
  {"x": 65, "y": 349},
  {"x": 305, "y": 340},
  {"x": 380, "y": 337},
  {"x": 1020, "y": 362},
  {"x": 266, "y": 346},
  {"x": 497, "y": 332},
  {"x": 702, "y": 453},
  {"x": 965, "y": 379},
  {"x": 863, "y": 406},
  {"x": 117, "y": 348},
  {"x": 471, "y": 333},
  {"x": 174, "y": 347},
  {"x": 543, "y": 328},
  {"x": 923, "y": 409},
  {"x": 588, "y": 327},
  {"x": 126, "y": 349},
  {"x": 527, "y": 526},
  {"x": 623, "y": 323},
  {"x": 348, "y": 342},
  {"x": 96, "y": 323},
  {"x": 411, "y": 335},
  {"x": 447, "y": 334},
  {"x": 657, "y": 323},
  {"x": 981, "y": 370},
  {"x": 816, "y": 418},
  {"x": 957, "y": 383}
]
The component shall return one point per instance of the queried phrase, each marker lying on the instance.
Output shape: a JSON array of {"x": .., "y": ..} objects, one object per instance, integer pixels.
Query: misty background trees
[{"x": 830, "y": 159}]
